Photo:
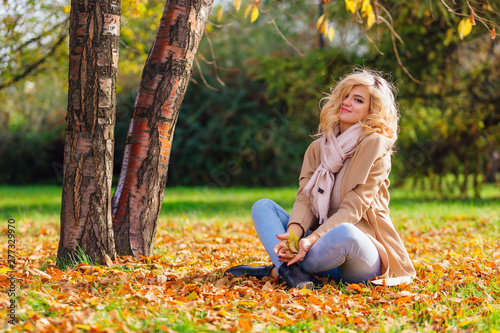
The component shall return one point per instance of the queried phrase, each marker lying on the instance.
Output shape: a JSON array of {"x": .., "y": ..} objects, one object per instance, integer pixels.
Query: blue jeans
[{"x": 344, "y": 253}]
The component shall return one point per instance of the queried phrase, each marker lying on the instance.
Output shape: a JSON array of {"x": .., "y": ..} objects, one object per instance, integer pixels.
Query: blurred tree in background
[
  {"x": 32, "y": 35},
  {"x": 253, "y": 102},
  {"x": 451, "y": 123},
  {"x": 450, "y": 110}
]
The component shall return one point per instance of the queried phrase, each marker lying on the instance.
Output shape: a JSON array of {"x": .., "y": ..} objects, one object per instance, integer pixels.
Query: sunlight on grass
[
  {"x": 222, "y": 205},
  {"x": 203, "y": 231}
]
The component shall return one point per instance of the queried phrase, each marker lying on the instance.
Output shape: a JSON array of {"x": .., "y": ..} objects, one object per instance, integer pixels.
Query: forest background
[
  {"x": 245, "y": 123},
  {"x": 252, "y": 105}
]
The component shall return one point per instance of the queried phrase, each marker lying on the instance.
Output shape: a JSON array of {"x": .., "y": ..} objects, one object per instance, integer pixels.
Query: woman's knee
[
  {"x": 347, "y": 231},
  {"x": 262, "y": 204},
  {"x": 335, "y": 246},
  {"x": 341, "y": 239}
]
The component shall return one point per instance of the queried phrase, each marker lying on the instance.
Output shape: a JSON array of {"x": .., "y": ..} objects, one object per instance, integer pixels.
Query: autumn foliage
[{"x": 181, "y": 286}]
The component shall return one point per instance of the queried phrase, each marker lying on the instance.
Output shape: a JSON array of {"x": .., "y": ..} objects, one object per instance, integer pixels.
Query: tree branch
[
  {"x": 37, "y": 38},
  {"x": 273, "y": 22},
  {"x": 203, "y": 77},
  {"x": 209, "y": 40},
  {"x": 36, "y": 64},
  {"x": 395, "y": 48}
]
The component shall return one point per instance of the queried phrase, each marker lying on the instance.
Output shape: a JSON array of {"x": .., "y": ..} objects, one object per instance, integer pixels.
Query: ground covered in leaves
[{"x": 181, "y": 287}]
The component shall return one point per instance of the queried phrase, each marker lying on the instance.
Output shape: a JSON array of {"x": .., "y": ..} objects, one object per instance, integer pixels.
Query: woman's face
[{"x": 355, "y": 107}]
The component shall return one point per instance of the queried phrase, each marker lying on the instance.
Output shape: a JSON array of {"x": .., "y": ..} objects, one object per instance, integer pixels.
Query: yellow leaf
[
  {"x": 4, "y": 270},
  {"x": 366, "y": 7},
  {"x": 324, "y": 25},
  {"x": 331, "y": 33},
  {"x": 319, "y": 21},
  {"x": 237, "y": 5},
  {"x": 464, "y": 27},
  {"x": 255, "y": 14},
  {"x": 83, "y": 327},
  {"x": 219, "y": 14},
  {"x": 247, "y": 11},
  {"x": 67, "y": 9},
  {"x": 293, "y": 242},
  {"x": 492, "y": 330},
  {"x": 192, "y": 296},
  {"x": 224, "y": 313},
  {"x": 368, "y": 10},
  {"x": 465, "y": 323},
  {"x": 350, "y": 5},
  {"x": 370, "y": 21}
]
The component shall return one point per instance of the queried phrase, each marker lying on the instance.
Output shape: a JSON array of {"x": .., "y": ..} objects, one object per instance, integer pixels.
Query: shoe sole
[{"x": 305, "y": 285}]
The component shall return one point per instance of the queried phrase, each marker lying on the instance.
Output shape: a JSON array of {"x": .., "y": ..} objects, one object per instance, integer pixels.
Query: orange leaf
[
  {"x": 472, "y": 21},
  {"x": 493, "y": 34},
  {"x": 354, "y": 287},
  {"x": 246, "y": 325},
  {"x": 313, "y": 299},
  {"x": 403, "y": 300}
]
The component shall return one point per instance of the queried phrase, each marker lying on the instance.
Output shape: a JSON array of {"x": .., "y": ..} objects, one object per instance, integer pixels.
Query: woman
[{"x": 341, "y": 213}]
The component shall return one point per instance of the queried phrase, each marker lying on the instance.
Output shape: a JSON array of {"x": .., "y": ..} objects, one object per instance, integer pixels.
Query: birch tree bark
[
  {"x": 139, "y": 194},
  {"x": 89, "y": 143}
]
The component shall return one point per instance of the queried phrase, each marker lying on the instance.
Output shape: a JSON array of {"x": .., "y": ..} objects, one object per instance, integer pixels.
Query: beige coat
[{"x": 365, "y": 203}]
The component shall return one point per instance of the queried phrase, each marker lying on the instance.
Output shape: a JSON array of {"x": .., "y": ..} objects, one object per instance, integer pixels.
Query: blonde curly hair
[{"x": 383, "y": 115}]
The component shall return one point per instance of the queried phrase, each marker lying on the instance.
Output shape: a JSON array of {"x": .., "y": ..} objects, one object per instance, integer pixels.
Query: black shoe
[
  {"x": 258, "y": 272},
  {"x": 296, "y": 277}
]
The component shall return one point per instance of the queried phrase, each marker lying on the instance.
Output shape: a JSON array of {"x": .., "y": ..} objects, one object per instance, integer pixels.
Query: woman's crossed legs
[{"x": 343, "y": 253}]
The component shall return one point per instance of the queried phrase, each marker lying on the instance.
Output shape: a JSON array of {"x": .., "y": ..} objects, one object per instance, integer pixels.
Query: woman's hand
[
  {"x": 304, "y": 246},
  {"x": 281, "y": 249}
]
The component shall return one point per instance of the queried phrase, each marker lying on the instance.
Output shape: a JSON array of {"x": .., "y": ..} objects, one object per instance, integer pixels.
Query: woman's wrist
[
  {"x": 313, "y": 238},
  {"x": 296, "y": 228}
]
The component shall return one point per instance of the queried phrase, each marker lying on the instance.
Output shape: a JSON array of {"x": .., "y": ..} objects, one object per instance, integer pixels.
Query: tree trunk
[
  {"x": 321, "y": 39},
  {"x": 463, "y": 190},
  {"x": 477, "y": 177},
  {"x": 139, "y": 194},
  {"x": 492, "y": 166},
  {"x": 89, "y": 143}
]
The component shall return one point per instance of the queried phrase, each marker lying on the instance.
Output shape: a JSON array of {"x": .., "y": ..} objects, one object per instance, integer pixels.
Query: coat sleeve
[
  {"x": 301, "y": 212},
  {"x": 371, "y": 170}
]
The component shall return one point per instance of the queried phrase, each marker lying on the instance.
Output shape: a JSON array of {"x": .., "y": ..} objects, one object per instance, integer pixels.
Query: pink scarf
[{"x": 335, "y": 149}]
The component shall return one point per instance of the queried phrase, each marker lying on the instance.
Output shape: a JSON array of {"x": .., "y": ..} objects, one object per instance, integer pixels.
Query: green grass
[
  {"x": 451, "y": 242},
  {"x": 44, "y": 203},
  {"x": 74, "y": 259},
  {"x": 30, "y": 202}
]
